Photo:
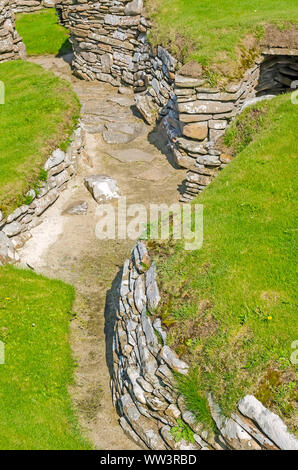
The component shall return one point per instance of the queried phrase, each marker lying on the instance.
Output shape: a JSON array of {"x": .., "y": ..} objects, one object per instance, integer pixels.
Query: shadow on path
[{"x": 111, "y": 306}]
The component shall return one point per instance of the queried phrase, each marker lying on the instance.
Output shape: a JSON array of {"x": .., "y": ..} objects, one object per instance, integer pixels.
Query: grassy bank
[
  {"x": 42, "y": 34},
  {"x": 230, "y": 307},
  {"x": 39, "y": 114},
  {"x": 219, "y": 34},
  {"x": 36, "y": 411}
]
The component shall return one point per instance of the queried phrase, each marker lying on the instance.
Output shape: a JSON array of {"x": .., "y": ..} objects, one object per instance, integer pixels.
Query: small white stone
[{"x": 103, "y": 188}]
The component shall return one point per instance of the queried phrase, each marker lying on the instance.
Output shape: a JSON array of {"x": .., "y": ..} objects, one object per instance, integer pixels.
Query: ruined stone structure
[
  {"x": 11, "y": 45},
  {"x": 62, "y": 8},
  {"x": 143, "y": 385},
  {"x": 15, "y": 228},
  {"x": 109, "y": 40}
]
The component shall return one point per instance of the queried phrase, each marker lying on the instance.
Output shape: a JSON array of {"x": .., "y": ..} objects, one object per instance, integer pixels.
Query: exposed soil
[
  {"x": 275, "y": 37},
  {"x": 192, "y": 69},
  {"x": 65, "y": 246}
]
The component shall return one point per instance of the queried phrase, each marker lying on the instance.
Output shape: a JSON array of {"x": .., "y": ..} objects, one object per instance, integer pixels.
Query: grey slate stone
[
  {"x": 7, "y": 251},
  {"x": 55, "y": 159},
  {"x": 139, "y": 293},
  {"x": 269, "y": 423},
  {"x": 232, "y": 433},
  {"x": 152, "y": 291},
  {"x": 12, "y": 229},
  {"x": 77, "y": 208}
]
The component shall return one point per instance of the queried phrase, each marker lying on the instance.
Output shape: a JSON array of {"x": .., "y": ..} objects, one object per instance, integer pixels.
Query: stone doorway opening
[{"x": 278, "y": 74}]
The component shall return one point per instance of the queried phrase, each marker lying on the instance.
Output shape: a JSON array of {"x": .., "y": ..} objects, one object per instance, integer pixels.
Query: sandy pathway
[{"x": 65, "y": 246}]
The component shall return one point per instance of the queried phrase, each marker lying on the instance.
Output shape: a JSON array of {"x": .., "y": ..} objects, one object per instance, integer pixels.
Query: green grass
[
  {"x": 36, "y": 411},
  {"x": 211, "y": 32},
  {"x": 231, "y": 307},
  {"x": 39, "y": 114},
  {"x": 42, "y": 34}
]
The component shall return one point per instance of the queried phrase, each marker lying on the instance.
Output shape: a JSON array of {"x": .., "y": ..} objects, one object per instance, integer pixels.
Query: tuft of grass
[
  {"x": 42, "y": 34},
  {"x": 39, "y": 114},
  {"x": 36, "y": 410},
  {"x": 221, "y": 35},
  {"x": 230, "y": 307},
  {"x": 195, "y": 399}
]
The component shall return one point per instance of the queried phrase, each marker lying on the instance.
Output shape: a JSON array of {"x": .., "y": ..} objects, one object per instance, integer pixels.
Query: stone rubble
[{"x": 11, "y": 45}]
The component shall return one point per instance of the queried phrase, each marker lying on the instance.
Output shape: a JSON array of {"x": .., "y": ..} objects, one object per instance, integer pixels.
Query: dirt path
[{"x": 65, "y": 246}]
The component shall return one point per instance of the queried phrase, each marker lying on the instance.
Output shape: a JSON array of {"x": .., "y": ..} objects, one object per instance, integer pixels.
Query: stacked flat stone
[
  {"x": 159, "y": 99},
  {"x": 27, "y": 6},
  {"x": 143, "y": 385},
  {"x": 11, "y": 45},
  {"x": 62, "y": 8},
  {"x": 15, "y": 229},
  {"x": 108, "y": 39},
  {"x": 203, "y": 115}
]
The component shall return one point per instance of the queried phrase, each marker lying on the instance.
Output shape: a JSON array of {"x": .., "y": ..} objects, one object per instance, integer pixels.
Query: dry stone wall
[
  {"x": 110, "y": 44},
  {"x": 108, "y": 39},
  {"x": 15, "y": 229},
  {"x": 11, "y": 45},
  {"x": 196, "y": 116},
  {"x": 62, "y": 8},
  {"x": 28, "y": 6},
  {"x": 143, "y": 385}
]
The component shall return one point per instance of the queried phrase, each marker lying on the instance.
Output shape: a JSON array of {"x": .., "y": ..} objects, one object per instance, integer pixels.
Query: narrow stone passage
[{"x": 65, "y": 246}]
